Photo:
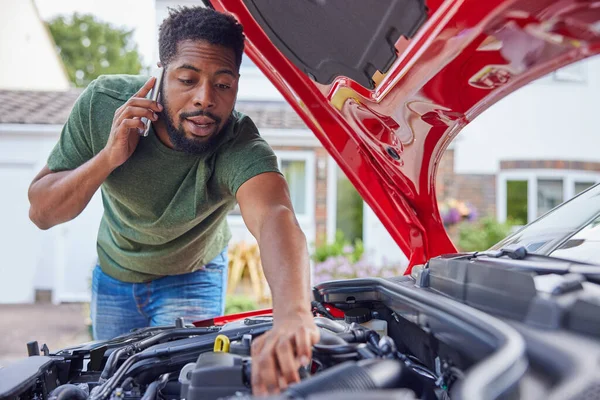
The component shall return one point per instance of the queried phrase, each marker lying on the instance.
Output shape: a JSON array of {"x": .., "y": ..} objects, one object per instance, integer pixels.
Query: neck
[{"x": 161, "y": 131}]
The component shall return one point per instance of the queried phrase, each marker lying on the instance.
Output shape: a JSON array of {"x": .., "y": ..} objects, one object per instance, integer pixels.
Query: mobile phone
[{"x": 154, "y": 95}]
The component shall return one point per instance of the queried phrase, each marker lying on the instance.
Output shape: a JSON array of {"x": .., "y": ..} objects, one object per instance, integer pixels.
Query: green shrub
[
  {"x": 236, "y": 304},
  {"x": 340, "y": 247},
  {"x": 483, "y": 234}
]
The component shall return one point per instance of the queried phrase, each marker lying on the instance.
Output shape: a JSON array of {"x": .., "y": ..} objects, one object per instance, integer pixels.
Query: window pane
[
  {"x": 295, "y": 175},
  {"x": 581, "y": 186},
  {"x": 549, "y": 194},
  {"x": 516, "y": 201}
]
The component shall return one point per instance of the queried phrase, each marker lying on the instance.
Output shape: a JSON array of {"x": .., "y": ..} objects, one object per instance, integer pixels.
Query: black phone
[{"x": 154, "y": 95}]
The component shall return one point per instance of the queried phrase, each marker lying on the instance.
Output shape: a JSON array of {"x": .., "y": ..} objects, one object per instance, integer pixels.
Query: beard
[{"x": 178, "y": 137}]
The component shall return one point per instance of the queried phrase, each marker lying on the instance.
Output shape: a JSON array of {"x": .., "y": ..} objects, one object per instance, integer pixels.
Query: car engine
[
  {"x": 355, "y": 359},
  {"x": 432, "y": 335}
]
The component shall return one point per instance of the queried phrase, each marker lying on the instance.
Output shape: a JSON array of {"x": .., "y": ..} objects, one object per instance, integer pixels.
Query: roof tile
[{"x": 49, "y": 108}]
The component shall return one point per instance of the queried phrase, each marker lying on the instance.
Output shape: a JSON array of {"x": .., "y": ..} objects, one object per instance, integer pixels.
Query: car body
[{"x": 386, "y": 89}]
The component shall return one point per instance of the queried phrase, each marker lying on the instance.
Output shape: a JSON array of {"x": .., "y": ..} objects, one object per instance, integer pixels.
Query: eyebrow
[{"x": 225, "y": 71}]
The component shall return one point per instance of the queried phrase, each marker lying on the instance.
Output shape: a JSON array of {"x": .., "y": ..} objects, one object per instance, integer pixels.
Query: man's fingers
[
  {"x": 286, "y": 359},
  {"x": 133, "y": 124},
  {"x": 144, "y": 90},
  {"x": 303, "y": 346},
  {"x": 257, "y": 345},
  {"x": 139, "y": 112},
  {"x": 264, "y": 370},
  {"x": 144, "y": 103}
]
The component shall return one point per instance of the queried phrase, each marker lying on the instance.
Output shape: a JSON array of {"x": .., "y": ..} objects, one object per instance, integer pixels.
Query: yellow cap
[{"x": 221, "y": 344}]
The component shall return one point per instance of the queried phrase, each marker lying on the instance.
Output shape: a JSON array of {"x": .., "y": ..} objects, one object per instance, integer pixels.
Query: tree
[{"x": 90, "y": 48}]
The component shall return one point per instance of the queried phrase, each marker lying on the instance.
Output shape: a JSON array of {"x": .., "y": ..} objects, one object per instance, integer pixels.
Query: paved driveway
[{"x": 57, "y": 326}]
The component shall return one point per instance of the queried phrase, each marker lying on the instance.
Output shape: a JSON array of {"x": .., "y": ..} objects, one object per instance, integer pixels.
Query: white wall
[
  {"x": 60, "y": 258},
  {"x": 380, "y": 248},
  {"x": 24, "y": 41},
  {"x": 22, "y": 245},
  {"x": 547, "y": 119}
]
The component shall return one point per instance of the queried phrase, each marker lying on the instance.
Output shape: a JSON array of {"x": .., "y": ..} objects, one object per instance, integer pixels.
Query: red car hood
[{"x": 389, "y": 139}]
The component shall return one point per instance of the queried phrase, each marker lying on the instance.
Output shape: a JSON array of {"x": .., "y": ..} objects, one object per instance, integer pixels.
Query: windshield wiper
[{"x": 517, "y": 252}]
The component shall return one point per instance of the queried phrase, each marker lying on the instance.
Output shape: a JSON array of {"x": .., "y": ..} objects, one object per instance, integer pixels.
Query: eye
[
  {"x": 186, "y": 82},
  {"x": 223, "y": 86}
]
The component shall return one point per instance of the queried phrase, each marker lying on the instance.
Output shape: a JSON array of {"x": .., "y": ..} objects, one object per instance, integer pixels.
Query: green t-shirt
[{"x": 164, "y": 210}]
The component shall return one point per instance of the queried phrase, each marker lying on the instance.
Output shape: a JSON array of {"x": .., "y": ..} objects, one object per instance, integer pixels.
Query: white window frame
[
  {"x": 569, "y": 177},
  {"x": 308, "y": 157},
  {"x": 308, "y": 217}
]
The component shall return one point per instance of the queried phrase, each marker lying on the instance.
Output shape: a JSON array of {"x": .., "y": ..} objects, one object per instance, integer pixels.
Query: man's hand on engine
[{"x": 278, "y": 354}]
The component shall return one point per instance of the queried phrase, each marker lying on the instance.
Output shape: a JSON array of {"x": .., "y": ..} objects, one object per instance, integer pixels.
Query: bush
[
  {"x": 483, "y": 234},
  {"x": 340, "y": 267},
  {"x": 238, "y": 304},
  {"x": 340, "y": 247}
]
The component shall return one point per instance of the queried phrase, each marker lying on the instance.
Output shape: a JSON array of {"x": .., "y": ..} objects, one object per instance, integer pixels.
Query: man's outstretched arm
[{"x": 267, "y": 211}]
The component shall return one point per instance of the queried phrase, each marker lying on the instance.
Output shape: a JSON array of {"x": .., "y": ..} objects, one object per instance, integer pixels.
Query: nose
[{"x": 204, "y": 96}]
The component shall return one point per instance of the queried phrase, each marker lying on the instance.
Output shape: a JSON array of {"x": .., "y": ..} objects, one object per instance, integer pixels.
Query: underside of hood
[{"x": 386, "y": 85}]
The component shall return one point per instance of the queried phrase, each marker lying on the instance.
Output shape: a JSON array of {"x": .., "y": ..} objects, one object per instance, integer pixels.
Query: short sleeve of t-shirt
[
  {"x": 247, "y": 156},
  {"x": 74, "y": 146}
]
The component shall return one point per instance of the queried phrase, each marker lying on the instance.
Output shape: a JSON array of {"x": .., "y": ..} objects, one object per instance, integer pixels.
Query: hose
[
  {"x": 330, "y": 343},
  {"x": 104, "y": 390},
  {"x": 352, "y": 376},
  {"x": 113, "y": 359},
  {"x": 155, "y": 387},
  {"x": 329, "y": 324},
  {"x": 68, "y": 392}
]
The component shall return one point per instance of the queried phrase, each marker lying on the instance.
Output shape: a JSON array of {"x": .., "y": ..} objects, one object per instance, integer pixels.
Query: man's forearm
[
  {"x": 59, "y": 197},
  {"x": 284, "y": 255}
]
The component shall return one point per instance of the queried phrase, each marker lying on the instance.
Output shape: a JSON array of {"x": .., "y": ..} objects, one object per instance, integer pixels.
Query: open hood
[{"x": 386, "y": 88}]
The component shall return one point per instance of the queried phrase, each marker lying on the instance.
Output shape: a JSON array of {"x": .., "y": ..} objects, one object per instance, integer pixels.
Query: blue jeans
[{"x": 118, "y": 307}]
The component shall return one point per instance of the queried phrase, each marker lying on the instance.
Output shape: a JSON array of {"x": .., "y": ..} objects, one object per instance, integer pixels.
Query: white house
[
  {"x": 24, "y": 42},
  {"x": 532, "y": 150}
]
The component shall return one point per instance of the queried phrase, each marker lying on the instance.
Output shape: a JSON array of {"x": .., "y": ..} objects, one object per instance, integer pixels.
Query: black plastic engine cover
[
  {"x": 329, "y": 38},
  {"x": 215, "y": 376}
]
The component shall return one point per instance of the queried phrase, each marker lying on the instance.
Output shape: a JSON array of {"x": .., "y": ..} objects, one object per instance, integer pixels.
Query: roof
[
  {"x": 36, "y": 107},
  {"x": 53, "y": 108}
]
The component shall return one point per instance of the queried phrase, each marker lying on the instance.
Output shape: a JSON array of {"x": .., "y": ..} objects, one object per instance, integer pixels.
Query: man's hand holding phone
[{"x": 127, "y": 124}]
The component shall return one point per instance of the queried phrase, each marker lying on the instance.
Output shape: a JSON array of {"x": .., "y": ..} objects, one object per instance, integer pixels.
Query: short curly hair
[{"x": 199, "y": 23}]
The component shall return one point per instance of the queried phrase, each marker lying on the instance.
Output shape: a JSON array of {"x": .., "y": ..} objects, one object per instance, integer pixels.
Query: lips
[
  {"x": 201, "y": 120},
  {"x": 201, "y": 126}
]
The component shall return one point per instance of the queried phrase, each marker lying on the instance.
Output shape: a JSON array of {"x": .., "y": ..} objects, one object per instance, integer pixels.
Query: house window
[
  {"x": 298, "y": 169},
  {"x": 516, "y": 201},
  {"x": 524, "y": 195},
  {"x": 583, "y": 185},
  {"x": 295, "y": 175},
  {"x": 549, "y": 194}
]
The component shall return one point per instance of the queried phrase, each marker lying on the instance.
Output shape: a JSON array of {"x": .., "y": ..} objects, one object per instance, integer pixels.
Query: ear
[{"x": 159, "y": 64}]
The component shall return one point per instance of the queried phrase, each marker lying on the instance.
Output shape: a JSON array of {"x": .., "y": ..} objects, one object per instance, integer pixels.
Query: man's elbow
[
  {"x": 36, "y": 215},
  {"x": 37, "y": 218}
]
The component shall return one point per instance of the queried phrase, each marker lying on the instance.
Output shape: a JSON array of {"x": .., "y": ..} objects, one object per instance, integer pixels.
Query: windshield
[{"x": 570, "y": 231}]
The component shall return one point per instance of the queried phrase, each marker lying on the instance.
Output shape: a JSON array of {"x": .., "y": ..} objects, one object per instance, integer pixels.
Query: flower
[{"x": 453, "y": 211}]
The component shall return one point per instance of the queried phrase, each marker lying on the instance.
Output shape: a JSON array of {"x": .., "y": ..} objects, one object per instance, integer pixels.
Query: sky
[{"x": 133, "y": 14}]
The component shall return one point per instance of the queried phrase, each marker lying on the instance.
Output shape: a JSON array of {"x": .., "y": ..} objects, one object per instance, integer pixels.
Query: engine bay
[
  {"x": 380, "y": 339},
  {"x": 355, "y": 355}
]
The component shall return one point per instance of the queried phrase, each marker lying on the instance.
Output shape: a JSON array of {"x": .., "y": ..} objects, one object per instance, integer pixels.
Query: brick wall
[
  {"x": 477, "y": 189},
  {"x": 550, "y": 164}
]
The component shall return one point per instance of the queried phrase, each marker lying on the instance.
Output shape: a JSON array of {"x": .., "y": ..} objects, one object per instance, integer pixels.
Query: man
[{"x": 163, "y": 236}]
